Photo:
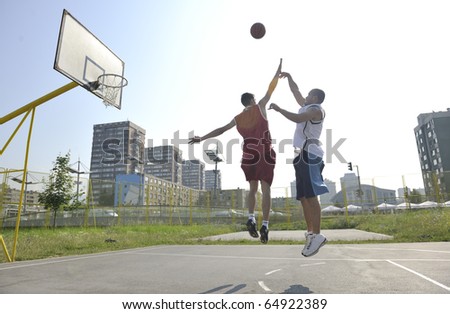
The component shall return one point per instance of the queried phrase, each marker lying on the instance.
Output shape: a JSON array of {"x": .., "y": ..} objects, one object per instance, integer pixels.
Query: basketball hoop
[{"x": 110, "y": 85}]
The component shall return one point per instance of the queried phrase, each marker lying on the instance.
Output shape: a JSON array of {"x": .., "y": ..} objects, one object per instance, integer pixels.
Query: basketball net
[{"x": 111, "y": 85}]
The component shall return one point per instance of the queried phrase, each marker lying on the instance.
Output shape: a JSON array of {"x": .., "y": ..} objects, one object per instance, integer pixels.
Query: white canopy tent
[
  {"x": 354, "y": 208},
  {"x": 428, "y": 204},
  {"x": 407, "y": 206},
  {"x": 332, "y": 210},
  {"x": 386, "y": 207}
]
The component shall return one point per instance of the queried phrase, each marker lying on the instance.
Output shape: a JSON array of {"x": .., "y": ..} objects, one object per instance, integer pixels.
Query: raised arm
[
  {"x": 263, "y": 102},
  {"x": 312, "y": 113},
  {"x": 214, "y": 133},
  {"x": 294, "y": 88}
]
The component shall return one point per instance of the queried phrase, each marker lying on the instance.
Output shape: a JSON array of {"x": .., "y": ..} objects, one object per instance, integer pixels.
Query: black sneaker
[
  {"x": 264, "y": 234},
  {"x": 251, "y": 227}
]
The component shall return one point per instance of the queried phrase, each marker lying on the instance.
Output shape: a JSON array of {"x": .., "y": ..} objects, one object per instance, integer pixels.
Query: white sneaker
[
  {"x": 308, "y": 241},
  {"x": 316, "y": 242}
]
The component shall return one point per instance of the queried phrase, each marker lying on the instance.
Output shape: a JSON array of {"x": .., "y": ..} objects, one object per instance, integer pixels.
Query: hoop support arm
[{"x": 38, "y": 102}]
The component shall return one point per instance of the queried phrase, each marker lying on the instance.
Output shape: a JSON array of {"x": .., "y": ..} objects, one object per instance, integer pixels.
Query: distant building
[
  {"x": 117, "y": 148},
  {"x": 433, "y": 143},
  {"x": 147, "y": 190},
  {"x": 235, "y": 198},
  {"x": 193, "y": 174},
  {"x": 10, "y": 197},
  {"x": 164, "y": 162},
  {"x": 213, "y": 181},
  {"x": 371, "y": 195}
]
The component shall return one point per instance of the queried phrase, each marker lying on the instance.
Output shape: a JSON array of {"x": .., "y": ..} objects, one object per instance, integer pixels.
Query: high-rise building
[
  {"x": 194, "y": 174},
  {"x": 213, "y": 180},
  {"x": 164, "y": 162},
  {"x": 117, "y": 149},
  {"x": 433, "y": 144}
]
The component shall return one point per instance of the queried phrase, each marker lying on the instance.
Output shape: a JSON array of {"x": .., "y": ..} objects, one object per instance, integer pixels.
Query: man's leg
[
  {"x": 252, "y": 196},
  {"x": 314, "y": 239},
  {"x": 312, "y": 212},
  {"x": 307, "y": 214},
  {"x": 266, "y": 202},
  {"x": 251, "y": 223}
]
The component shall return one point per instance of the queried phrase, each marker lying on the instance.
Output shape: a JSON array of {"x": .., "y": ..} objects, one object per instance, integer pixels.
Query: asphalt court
[{"x": 387, "y": 268}]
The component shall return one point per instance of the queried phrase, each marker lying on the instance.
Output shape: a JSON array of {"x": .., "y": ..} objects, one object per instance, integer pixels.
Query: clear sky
[{"x": 381, "y": 64}]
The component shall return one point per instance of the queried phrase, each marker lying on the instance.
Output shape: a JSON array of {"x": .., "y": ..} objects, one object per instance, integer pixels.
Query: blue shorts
[{"x": 308, "y": 175}]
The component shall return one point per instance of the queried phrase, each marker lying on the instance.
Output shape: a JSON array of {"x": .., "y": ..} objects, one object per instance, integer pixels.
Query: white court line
[
  {"x": 300, "y": 258},
  {"x": 262, "y": 285},
  {"x": 393, "y": 249},
  {"x": 271, "y": 272},
  {"x": 420, "y": 275},
  {"x": 315, "y": 264}
]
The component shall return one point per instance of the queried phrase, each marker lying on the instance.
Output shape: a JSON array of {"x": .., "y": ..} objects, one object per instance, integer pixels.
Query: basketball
[{"x": 258, "y": 30}]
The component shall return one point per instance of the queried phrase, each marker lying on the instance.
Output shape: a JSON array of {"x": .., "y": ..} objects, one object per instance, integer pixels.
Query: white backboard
[{"x": 82, "y": 57}]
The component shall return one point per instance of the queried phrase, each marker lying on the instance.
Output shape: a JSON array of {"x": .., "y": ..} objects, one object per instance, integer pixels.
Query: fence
[{"x": 155, "y": 201}]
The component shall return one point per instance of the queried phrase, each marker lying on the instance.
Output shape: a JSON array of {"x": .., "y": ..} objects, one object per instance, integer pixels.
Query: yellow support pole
[
  {"x": 190, "y": 207},
  {"x": 374, "y": 192},
  {"x": 405, "y": 192},
  {"x": 170, "y": 189},
  {"x": 24, "y": 179},
  {"x": 344, "y": 195},
  {"x": 233, "y": 206},
  {"x": 30, "y": 107},
  {"x": 436, "y": 187},
  {"x": 2, "y": 197},
  {"x": 208, "y": 206},
  {"x": 147, "y": 203},
  {"x": 5, "y": 250},
  {"x": 14, "y": 133},
  {"x": 89, "y": 197},
  {"x": 38, "y": 102}
]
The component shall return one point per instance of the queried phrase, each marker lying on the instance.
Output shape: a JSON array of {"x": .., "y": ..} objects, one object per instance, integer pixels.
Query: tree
[{"x": 58, "y": 192}]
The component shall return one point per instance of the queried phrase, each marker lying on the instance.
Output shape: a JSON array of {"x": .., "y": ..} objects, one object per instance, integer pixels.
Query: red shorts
[{"x": 258, "y": 165}]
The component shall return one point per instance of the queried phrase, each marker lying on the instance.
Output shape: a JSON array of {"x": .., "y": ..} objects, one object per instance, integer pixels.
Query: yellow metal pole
[
  {"x": 344, "y": 195},
  {"x": 38, "y": 102},
  {"x": 24, "y": 179},
  {"x": 374, "y": 192},
  {"x": 147, "y": 201},
  {"x": 287, "y": 206},
  {"x": 14, "y": 133},
  {"x": 190, "y": 207},
  {"x": 4, "y": 249}
]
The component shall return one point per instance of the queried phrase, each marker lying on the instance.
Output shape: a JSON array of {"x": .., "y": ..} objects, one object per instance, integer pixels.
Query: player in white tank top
[{"x": 308, "y": 164}]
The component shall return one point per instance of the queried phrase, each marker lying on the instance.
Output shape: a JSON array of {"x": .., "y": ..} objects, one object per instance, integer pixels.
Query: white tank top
[{"x": 307, "y": 133}]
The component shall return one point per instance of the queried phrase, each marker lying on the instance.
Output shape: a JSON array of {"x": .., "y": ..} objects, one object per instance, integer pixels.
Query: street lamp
[
  {"x": 213, "y": 155},
  {"x": 360, "y": 191}
]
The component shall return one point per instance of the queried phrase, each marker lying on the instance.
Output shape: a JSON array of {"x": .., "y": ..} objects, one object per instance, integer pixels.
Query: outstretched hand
[
  {"x": 195, "y": 139},
  {"x": 274, "y": 106}
]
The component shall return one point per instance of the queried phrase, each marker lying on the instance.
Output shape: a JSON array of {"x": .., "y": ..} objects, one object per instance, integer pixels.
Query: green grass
[
  {"x": 40, "y": 243},
  {"x": 37, "y": 243}
]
